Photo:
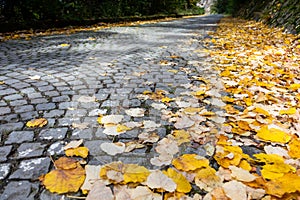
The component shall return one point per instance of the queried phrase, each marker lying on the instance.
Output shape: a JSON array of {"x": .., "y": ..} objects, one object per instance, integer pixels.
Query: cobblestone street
[{"x": 101, "y": 72}]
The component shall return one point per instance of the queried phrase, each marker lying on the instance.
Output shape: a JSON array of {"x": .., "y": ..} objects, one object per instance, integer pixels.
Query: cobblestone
[
  {"x": 113, "y": 68},
  {"x": 17, "y": 137}
]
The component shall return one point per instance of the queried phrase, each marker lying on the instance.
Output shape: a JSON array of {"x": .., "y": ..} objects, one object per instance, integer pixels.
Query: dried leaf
[
  {"x": 241, "y": 174},
  {"x": 92, "y": 175},
  {"x": 37, "y": 123},
  {"x": 183, "y": 122},
  {"x": 235, "y": 190},
  {"x": 113, "y": 148},
  {"x": 182, "y": 183},
  {"x": 190, "y": 162},
  {"x": 273, "y": 135},
  {"x": 158, "y": 180},
  {"x": 135, "y": 112},
  {"x": 144, "y": 193},
  {"x": 65, "y": 178},
  {"x": 73, "y": 144},
  {"x": 100, "y": 191},
  {"x": 110, "y": 119},
  {"x": 79, "y": 151},
  {"x": 207, "y": 179},
  {"x": 181, "y": 136},
  {"x": 117, "y": 172}
]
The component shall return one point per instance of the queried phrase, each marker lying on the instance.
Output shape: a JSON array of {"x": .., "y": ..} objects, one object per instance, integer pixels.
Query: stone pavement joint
[{"x": 67, "y": 85}]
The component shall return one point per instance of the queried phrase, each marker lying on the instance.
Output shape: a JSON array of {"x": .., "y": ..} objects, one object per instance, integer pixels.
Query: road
[{"x": 70, "y": 79}]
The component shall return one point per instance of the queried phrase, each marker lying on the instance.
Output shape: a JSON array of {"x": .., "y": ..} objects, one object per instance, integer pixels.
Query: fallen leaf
[
  {"x": 182, "y": 183},
  {"x": 183, "y": 122},
  {"x": 67, "y": 177},
  {"x": 113, "y": 148},
  {"x": 78, "y": 151},
  {"x": 158, "y": 180},
  {"x": 35, "y": 77},
  {"x": 148, "y": 137},
  {"x": 294, "y": 148},
  {"x": 158, "y": 106},
  {"x": 235, "y": 190},
  {"x": 144, "y": 193},
  {"x": 73, "y": 144},
  {"x": 207, "y": 179},
  {"x": 190, "y": 162},
  {"x": 80, "y": 126},
  {"x": 181, "y": 136},
  {"x": 135, "y": 112},
  {"x": 288, "y": 183},
  {"x": 151, "y": 125},
  {"x": 241, "y": 174},
  {"x": 64, "y": 45},
  {"x": 37, "y": 123},
  {"x": 100, "y": 191},
  {"x": 110, "y": 119},
  {"x": 92, "y": 175},
  {"x": 118, "y": 172},
  {"x": 289, "y": 111},
  {"x": 273, "y": 135}
]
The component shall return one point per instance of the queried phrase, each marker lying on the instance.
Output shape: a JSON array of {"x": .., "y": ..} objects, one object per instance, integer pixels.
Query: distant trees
[{"x": 32, "y": 11}]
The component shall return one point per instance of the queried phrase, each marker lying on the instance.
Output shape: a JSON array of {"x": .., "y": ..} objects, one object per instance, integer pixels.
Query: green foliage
[{"x": 28, "y": 12}]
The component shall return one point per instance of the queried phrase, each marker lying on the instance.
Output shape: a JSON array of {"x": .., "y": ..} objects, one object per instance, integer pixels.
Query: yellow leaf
[
  {"x": 225, "y": 73},
  {"x": 192, "y": 110},
  {"x": 37, "y": 123},
  {"x": 183, "y": 184},
  {"x": 294, "y": 148},
  {"x": 273, "y": 135},
  {"x": 146, "y": 92},
  {"x": 79, "y": 151},
  {"x": 244, "y": 125},
  {"x": 245, "y": 165},
  {"x": 274, "y": 165},
  {"x": 261, "y": 111},
  {"x": 64, "y": 45},
  {"x": 207, "y": 179},
  {"x": 289, "y": 111},
  {"x": 181, "y": 136},
  {"x": 118, "y": 172},
  {"x": 66, "y": 179},
  {"x": 207, "y": 113},
  {"x": 2, "y": 82},
  {"x": 166, "y": 100},
  {"x": 190, "y": 162},
  {"x": 173, "y": 71},
  {"x": 122, "y": 128},
  {"x": 294, "y": 86},
  {"x": 228, "y": 99},
  {"x": 198, "y": 93},
  {"x": 288, "y": 183},
  {"x": 229, "y": 155}
]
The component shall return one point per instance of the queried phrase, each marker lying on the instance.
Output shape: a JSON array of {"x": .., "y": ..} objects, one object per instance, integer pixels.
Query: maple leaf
[
  {"x": 37, "y": 123},
  {"x": 67, "y": 177}
]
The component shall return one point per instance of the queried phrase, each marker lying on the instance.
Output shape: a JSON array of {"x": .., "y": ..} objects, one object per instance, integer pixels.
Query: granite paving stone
[
  {"x": 53, "y": 133},
  {"x": 31, "y": 169},
  {"x": 113, "y": 68},
  {"x": 29, "y": 150},
  {"x": 4, "y": 152},
  {"x": 20, "y": 190},
  {"x": 17, "y": 137}
]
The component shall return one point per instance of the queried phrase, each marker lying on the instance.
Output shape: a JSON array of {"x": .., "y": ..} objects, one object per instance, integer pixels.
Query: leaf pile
[{"x": 249, "y": 128}]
